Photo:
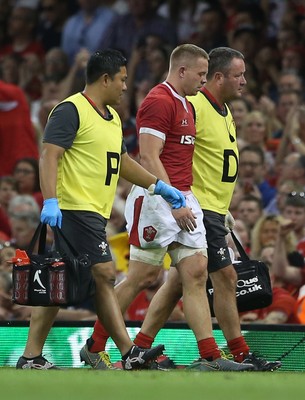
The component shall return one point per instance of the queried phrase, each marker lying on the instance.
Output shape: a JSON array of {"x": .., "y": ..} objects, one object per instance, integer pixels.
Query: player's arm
[
  {"x": 135, "y": 173},
  {"x": 48, "y": 164},
  {"x": 59, "y": 135},
  {"x": 280, "y": 263},
  {"x": 150, "y": 149}
]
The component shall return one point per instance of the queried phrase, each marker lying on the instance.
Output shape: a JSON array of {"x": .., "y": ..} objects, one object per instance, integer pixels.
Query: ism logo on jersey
[{"x": 187, "y": 139}]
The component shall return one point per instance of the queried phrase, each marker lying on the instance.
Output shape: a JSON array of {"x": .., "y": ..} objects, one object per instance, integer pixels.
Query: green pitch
[{"x": 86, "y": 384}]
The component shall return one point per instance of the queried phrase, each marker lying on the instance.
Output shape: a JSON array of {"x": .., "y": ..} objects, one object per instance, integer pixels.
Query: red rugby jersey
[{"x": 169, "y": 116}]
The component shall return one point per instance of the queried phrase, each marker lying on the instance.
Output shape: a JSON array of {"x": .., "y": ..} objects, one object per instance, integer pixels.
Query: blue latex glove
[
  {"x": 170, "y": 194},
  {"x": 51, "y": 213}
]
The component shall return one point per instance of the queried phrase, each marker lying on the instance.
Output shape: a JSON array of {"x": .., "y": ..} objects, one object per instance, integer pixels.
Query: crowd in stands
[{"x": 44, "y": 47}]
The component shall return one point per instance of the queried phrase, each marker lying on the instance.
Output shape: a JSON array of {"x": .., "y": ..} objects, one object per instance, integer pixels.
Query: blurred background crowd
[{"x": 44, "y": 48}]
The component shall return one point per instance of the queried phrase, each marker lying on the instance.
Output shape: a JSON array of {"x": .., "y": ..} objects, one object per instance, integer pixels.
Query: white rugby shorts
[{"x": 150, "y": 223}]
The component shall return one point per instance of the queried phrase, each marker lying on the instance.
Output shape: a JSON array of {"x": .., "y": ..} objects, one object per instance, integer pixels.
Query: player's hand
[
  {"x": 229, "y": 222},
  {"x": 170, "y": 194},
  {"x": 185, "y": 219},
  {"x": 286, "y": 226},
  {"x": 51, "y": 213}
]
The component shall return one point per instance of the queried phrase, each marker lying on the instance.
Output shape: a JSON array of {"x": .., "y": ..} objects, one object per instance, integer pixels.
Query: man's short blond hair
[{"x": 186, "y": 54}]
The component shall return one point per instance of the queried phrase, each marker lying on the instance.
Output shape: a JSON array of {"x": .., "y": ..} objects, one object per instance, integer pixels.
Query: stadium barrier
[{"x": 275, "y": 342}]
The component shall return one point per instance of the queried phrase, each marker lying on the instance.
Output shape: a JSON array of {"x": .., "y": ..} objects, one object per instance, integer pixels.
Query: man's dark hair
[
  {"x": 220, "y": 60},
  {"x": 104, "y": 62},
  {"x": 295, "y": 199},
  {"x": 35, "y": 165},
  {"x": 251, "y": 197},
  {"x": 254, "y": 149}
]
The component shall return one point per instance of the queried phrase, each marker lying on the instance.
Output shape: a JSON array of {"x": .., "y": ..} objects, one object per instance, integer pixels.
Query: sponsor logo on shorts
[
  {"x": 103, "y": 246},
  {"x": 222, "y": 253}
]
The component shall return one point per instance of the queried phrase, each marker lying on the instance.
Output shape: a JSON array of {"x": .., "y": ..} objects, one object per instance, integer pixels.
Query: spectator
[
  {"x": 294, "y": 211},
  {"x": 185, "y": 14},
  {"x": 56, "y": 64},
  {"x": 265, "y": 232},
  {"x": 59, "y": 82},
  {"x": 5, "y": 10},
  {"x": 210, "y": 29},
  {"x": 129, "y": 126},
  {"x": 86, "y": 28},
  {"x": 17, "y": 135},
  {"x": 291, "y": 272},
  {"x": 7, "y": 251},
  {"x": 256, "y": 131},
  {"x": 249, "y": 210},
  {"x": 290, "y": 80},
  {"x": 26, "y": 173},
  {"x": 276, "y": 206},
  {"x": 21, "y": 30},
  {"x": 8, "y": 190},
  {"x": 267, "y": 65},
  {"x": 23, "y": 204},
  {"x": 147, "y": 67},
  {"x": 239, "y": 108},
  {"x": 10, "y": 68},
  {"x": 54, "y": 14},
  {"x": 252, "y": 174},
  {"x": 245, "y": 39},
  {"x": 127, "y": 32},
  {"x": 293, "y": 168},
  {"x": 293, "y": 59},
  {"x": 288, "y": 100},
  {"x": 23, "y": 43},
  {"x": 287, "y": 37},
  {"x": 294, "y": 132},
  {"x": 23, "y": 228}
]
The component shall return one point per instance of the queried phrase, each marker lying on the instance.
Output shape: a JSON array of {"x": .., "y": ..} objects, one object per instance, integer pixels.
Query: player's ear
[
  {"x": 104, "y": 79},
  {"x": 181, "y": 71},
  {"x": 219, "y": 77}
]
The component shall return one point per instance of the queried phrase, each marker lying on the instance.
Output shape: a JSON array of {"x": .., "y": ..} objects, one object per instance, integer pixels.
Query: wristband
[{"x": 151, "y": 188}]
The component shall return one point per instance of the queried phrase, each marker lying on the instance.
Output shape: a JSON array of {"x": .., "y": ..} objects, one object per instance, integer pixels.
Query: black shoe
[
  {"x": 138, "y": 358},
  {"x": 261, "y": 364},
  {"x": 163, "y": 363},
  {"x": 35, "y": 363}
]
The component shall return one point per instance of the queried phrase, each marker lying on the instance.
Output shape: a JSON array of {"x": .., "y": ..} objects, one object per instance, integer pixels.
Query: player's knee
[
  {"x": 198, "y": 274},
  {"x": 224, "y": 279},
  {"x": 144, "y": 266},
  {"x": 181, "y": 252},
  {"x": 104, "y": 274}
]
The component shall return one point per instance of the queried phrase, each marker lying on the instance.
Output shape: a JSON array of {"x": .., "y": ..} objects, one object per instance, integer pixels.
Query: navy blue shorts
[
  {"x": 218, "y": 253},
  {"x": 85, "y": 230}
]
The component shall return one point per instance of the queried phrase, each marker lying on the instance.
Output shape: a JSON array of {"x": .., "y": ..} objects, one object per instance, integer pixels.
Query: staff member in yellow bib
[{"x": 82, "y": 158}]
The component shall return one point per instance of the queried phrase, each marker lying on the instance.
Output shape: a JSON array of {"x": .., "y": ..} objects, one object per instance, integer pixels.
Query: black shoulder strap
[{"x": 243, "y": 255}]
